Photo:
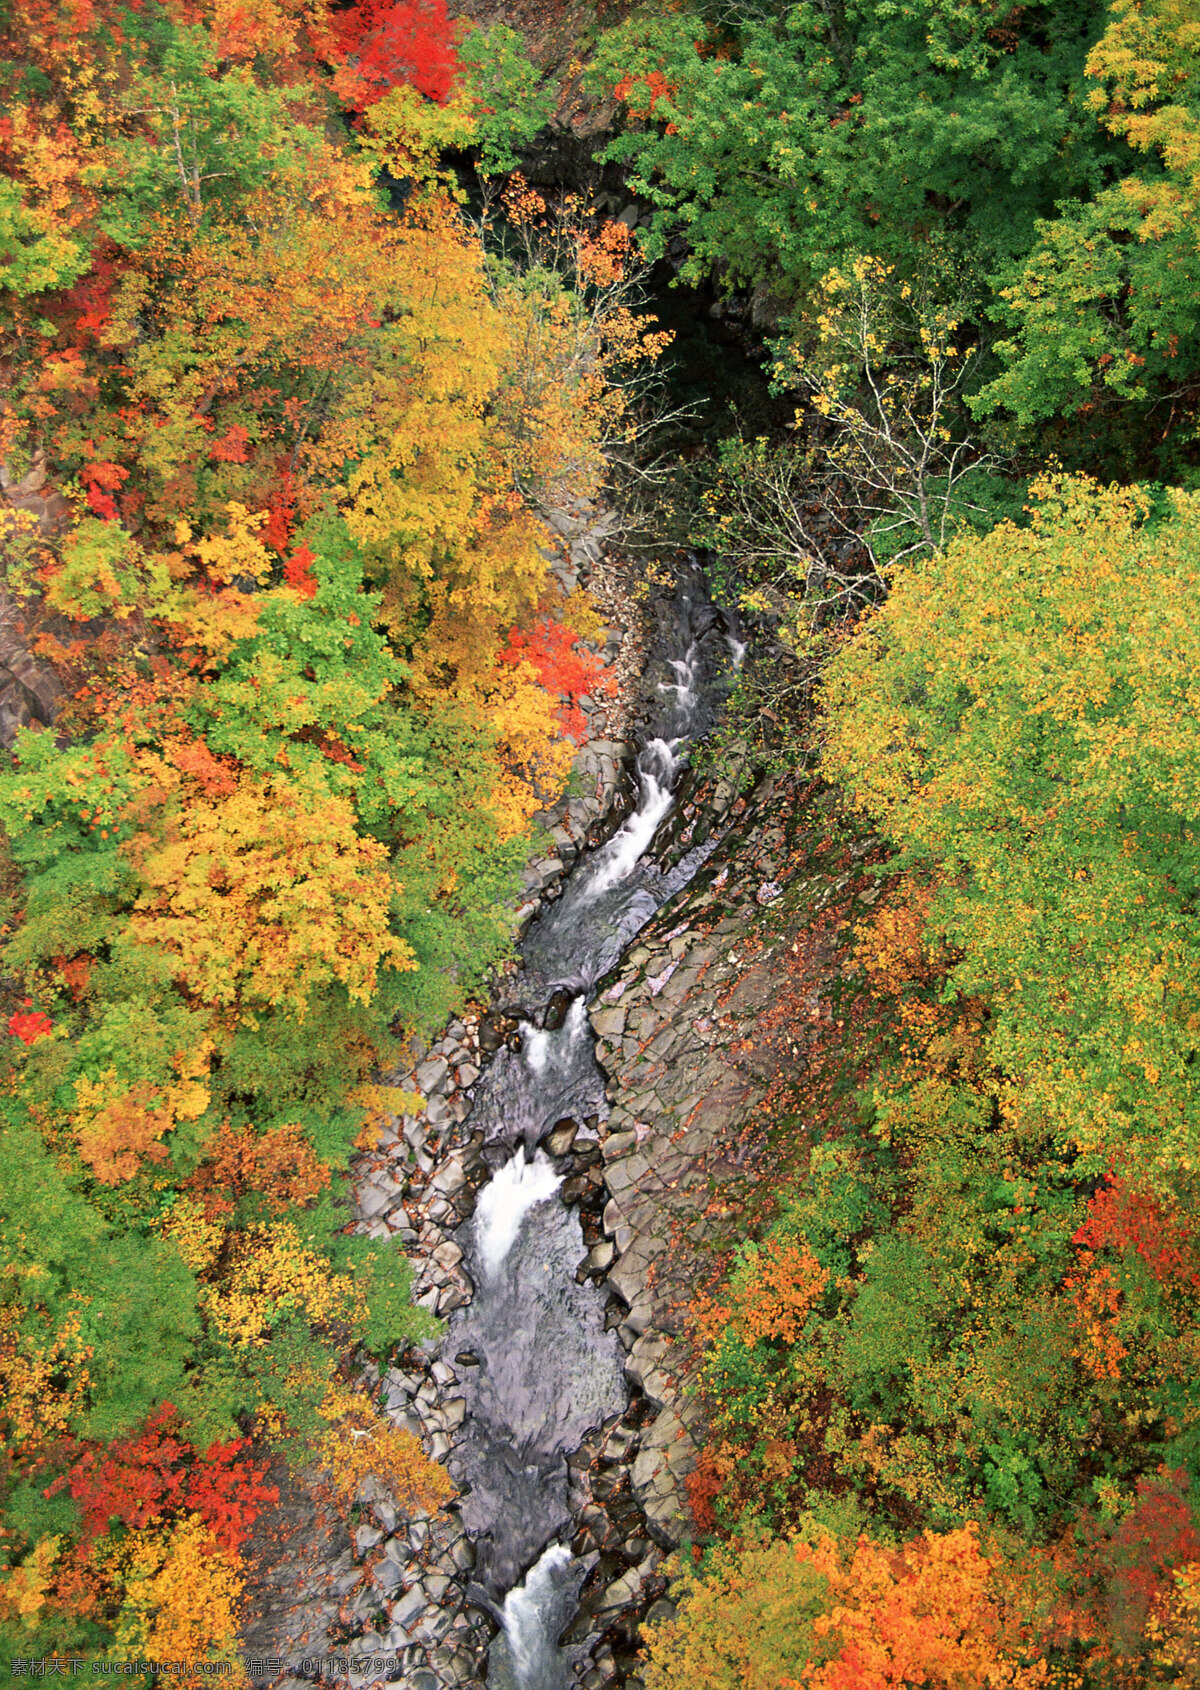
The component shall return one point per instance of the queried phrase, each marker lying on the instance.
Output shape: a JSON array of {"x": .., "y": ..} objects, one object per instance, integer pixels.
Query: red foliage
[
  {"x": 1112, "y": 1575},
  {"x": 139, "y": 1479},
  {"x": 1122, "y": 1220},
  {"x": 213, "y": 775},
  {"x": 228, "y": 1494},
  {"x": 89, "y": 303},
  {"x": 704, "y": 1484},
  {"x": 282, "y": 509},
  {"x": 550, "y": 648},
  {"x": 29, "y": 1028},
  {"x": 331, "y": 746},
  {"x": 1155, "y": 1537},
  {"x": 297, "y": 571},
  {"x": 382, "y": 45},
  {"x": 233, "y": 446},
  {"x": 75, "y": 972},
  {"x": 134, "y": 1480},
  {"x": 102, "y": 480},
  {"x": 659, "y": 89}
]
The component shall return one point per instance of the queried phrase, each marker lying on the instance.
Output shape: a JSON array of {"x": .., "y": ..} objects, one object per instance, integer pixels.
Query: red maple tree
[
  {"x": 154, "y": 1472},
  {"x": 382, "y": 45},
  {"x": 561, "y": 668}
]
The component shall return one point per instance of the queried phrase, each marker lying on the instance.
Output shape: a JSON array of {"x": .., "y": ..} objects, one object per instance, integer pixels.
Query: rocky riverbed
[{"x": 686, "y": 1042}]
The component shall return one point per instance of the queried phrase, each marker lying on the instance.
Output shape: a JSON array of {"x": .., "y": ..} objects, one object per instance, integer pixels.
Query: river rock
[
  {"x": 609, "y": 1023},
  {"x": 562, "y": 1138},
  {"x": 556, "y": 1010},
  {"x": 450, "y": 1177},
  {"x": 491, "y": 1034}
]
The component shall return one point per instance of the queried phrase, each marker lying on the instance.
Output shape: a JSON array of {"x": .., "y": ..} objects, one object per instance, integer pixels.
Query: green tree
[
  {"x": 1102, "y": 309},
  {"x": 786, "y": 142}
]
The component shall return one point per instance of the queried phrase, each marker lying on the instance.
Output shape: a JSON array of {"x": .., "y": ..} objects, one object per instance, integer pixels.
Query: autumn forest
[{"x": 303, "y": 354}]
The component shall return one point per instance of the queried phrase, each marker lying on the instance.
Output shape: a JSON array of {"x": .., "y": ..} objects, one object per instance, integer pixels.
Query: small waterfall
[
  {"x": 683, "y": 686},
  {"x": 535, "y": 1043},
  {"x": 508, "y": 1197},
  {"x": 532, "y": 1615},
  {"x": 657, "y": 767}
]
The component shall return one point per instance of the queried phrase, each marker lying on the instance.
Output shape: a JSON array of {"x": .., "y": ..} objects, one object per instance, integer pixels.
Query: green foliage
[
  {"x": 839, "y": 1201},
  {"x": 787, "y": 142},
  {"x": 34, "y": 256},
  {"x": 210, "y": 133},
  {"x": 133, "y": 1298},
  {"x": 1101, "y": 307},
  {"x": 510, "y": 103}
]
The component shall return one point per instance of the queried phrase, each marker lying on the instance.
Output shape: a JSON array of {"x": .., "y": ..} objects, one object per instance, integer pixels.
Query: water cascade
[{"x": 539, "y": 1369}]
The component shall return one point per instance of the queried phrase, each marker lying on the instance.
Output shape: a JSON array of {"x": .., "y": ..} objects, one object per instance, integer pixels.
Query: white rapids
[
  {"x": 543, "y": 1367},
  {"x": 657, "y": 767},
  {"x": 504, "y": 1202},
  {"x": 524, "y": 1614}
]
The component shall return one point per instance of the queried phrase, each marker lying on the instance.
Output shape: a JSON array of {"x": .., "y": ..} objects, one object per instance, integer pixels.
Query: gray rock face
[
  {"x": 30, "y": 692},
  {"x": 688, "y": 1060}
]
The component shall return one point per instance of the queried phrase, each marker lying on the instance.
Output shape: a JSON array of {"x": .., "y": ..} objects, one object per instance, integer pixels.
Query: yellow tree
[{"x": 1018, "y": 718}]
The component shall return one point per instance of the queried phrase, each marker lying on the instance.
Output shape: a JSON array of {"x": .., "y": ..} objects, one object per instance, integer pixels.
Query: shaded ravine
[{"x": 539, "y": 1370}]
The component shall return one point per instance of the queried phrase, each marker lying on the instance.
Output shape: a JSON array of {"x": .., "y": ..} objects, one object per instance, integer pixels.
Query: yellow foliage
[
  {"x": 409, "y": 135},
  {"x": 380, "y": 1103},
  {"x": 262, "y": 896},
  {"x": 534, "y": 761},
  {"x": 578, "y": 612},
  {"x": 117, "y": 1128},
  {"x": 360, "y": 1444},
  {"x": 431, "y": 487},
  {"x": 1146, "y": 55},
  {"x": 182, "y": 1597},
  {"x": 23, "y": 1589},
  {"x": 238, "y": 551},
  {"x": 1020, "y": 717},
  {"x": 44, "y": 1383},
  {"x": 197, "y": 1238},
  {"x": 1173, "y": 1627},
  {"x": 747, "y": 1624},
  {"x": 212, "y": 622},
  {"x": 274, "y": 1277}
]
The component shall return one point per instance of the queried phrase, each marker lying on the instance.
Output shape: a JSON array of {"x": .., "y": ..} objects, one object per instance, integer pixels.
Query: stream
[{"x": 538, "y": 1367}]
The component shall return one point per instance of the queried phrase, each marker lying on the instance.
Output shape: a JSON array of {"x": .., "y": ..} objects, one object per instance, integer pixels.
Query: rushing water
[{"x": 545, "y": 1371}]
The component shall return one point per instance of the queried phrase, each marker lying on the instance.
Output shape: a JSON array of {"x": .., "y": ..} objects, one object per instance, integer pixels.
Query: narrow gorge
[
  {"x": 583, "y": 1150},
  {"x": 599, "y": 975}
]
